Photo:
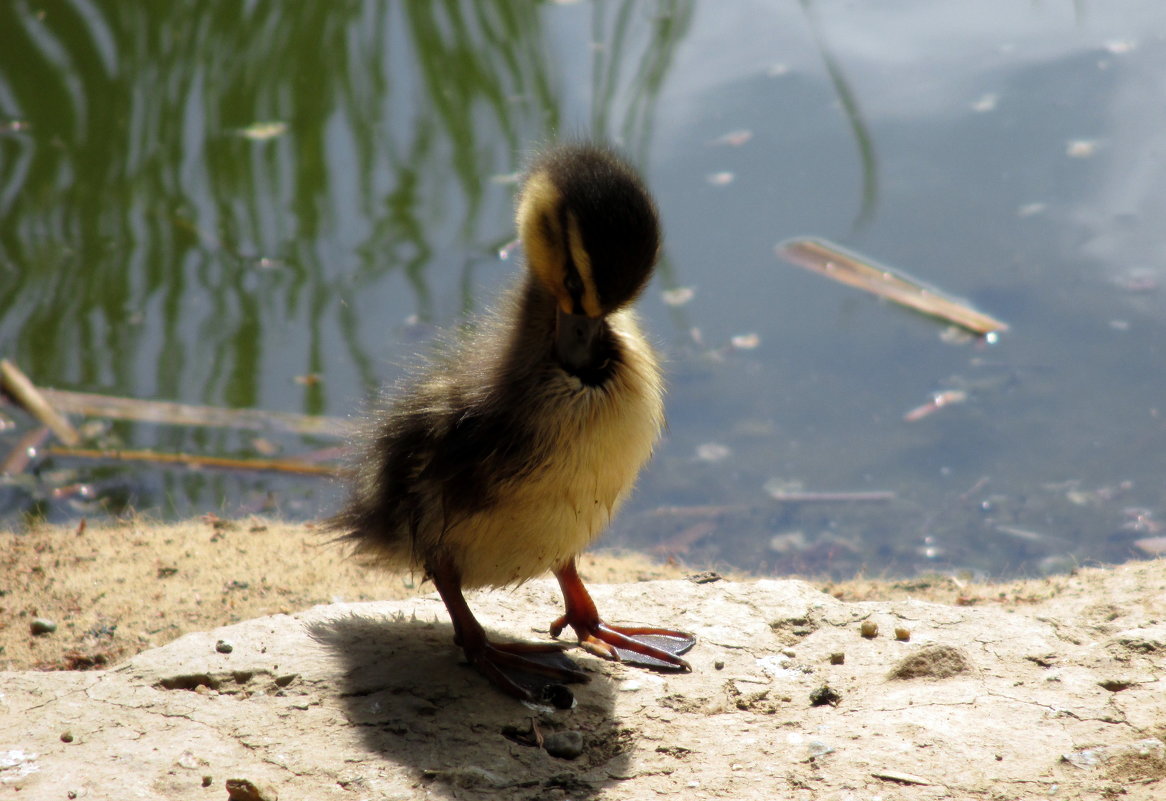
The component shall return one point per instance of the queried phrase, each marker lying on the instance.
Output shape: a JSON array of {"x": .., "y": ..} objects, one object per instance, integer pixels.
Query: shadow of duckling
[{"x": 412, "y": 702}]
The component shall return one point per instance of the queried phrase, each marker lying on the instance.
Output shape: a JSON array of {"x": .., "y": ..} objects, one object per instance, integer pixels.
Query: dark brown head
[{"x": 591, "y": 235}]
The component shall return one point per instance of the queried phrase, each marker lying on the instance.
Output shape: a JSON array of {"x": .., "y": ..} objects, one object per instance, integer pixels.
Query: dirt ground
[{"x": 116, "y": 589}]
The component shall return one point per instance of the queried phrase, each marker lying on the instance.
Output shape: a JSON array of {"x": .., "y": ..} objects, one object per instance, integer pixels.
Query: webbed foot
[{"x": 655, "y": 648}]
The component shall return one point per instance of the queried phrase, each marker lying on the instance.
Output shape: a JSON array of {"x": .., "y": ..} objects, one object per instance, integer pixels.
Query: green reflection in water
[{"x": 196, "y": 200}]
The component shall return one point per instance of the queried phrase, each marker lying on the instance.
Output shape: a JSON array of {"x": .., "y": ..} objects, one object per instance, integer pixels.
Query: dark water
[{"x": 260, "y": 205}]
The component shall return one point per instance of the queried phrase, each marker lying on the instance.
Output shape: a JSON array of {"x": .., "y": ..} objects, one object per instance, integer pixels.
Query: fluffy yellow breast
[{"x": 597, "y": 439}]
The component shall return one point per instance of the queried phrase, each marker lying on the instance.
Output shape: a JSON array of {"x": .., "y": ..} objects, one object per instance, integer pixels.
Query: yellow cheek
[
  {"x": 582, "y": 262},
  {"x": 542, "y": 235}
]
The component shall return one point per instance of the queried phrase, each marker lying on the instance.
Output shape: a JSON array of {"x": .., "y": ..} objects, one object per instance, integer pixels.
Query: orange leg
[
  {"x": 527, "y": 671},
  {"x": 655, "y": 648}
]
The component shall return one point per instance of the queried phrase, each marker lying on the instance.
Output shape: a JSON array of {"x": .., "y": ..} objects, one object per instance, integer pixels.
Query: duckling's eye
[{"x": 573, "y": 284}]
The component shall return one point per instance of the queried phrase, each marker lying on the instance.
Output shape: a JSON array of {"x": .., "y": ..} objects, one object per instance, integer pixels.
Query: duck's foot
[
  {"x": 655, "y": 648},
  {"x": 528, "y": 671}
]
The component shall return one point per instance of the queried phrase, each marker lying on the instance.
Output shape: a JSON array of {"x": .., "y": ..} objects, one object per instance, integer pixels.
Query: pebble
[
  {"x": 902, "y": 634},
  {"x": 247, "y": 790},
  {"x": 66, "y": 737},
  {"x": 224, "y": 647},
  {"x": 869, "y": 629},
  {"x": 825, "y": 695},
  {"x": 837, "y": 658},
  {"x": 41, "y": 625},
  {"x": 564, "y": 744}
]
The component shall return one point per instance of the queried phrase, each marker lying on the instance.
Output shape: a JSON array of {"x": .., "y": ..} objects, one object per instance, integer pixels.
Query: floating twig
[
  {"x": 707, "y": 510},
  {"x": 870, "y": 496},
  {"x": 196, "y": 461},
  {"x": 949, "y": 397},
  {"x": 23, "y": 391},
  {"x": 151, "y": 411},
  {"x": 835, "y": 262}
]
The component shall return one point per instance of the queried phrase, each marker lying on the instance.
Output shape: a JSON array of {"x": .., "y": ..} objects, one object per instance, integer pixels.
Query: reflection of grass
[
  {"x": 850, "y": 107},
  {"x": 148, "y": 248}
]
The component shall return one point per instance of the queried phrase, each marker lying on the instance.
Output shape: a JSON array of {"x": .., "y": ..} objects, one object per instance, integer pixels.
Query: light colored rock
[{"x": 355, "y": 701}]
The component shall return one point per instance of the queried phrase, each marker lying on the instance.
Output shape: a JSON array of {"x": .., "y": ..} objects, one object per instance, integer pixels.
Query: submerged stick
[
  {"x": 835, "y": 262},
  {"x": 196, "y": 461},
  {"x": 20, "y": 387},
  {"x": 183, "y": 414}
]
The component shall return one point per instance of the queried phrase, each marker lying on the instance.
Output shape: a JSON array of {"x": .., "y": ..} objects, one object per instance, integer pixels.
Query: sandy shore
[{"x": 114, "y": 590}]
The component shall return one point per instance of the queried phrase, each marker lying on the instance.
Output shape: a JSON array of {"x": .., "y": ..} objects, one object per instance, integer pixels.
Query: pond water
[{"x": 273, "y": 206}]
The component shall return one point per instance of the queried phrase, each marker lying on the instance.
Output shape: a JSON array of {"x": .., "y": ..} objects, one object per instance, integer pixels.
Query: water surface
[{"x": 272, "y": 206}]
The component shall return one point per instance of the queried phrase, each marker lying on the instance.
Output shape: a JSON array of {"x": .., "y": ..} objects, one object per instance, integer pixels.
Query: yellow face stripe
[
  {"x": 539, "y": 229},
  {"x": 590, "y": 299}
]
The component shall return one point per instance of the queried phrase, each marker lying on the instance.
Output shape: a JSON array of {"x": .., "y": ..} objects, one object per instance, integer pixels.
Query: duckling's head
[{"x": 591, "y": 235}]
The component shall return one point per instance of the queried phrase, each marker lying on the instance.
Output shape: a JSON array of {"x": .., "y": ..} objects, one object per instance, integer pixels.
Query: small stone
[
  {"x": 247, "y": 790},
  {"x": 224, "y": 647},
  {"x": 932, "y": 662},
  {"x": 719, "y": 664},
  {"x": 902, "y": 634},
  {"x": 41, "y": 625},
  {"x": 66, "y": 737},
  {"x": 869, "y": 629},
  {"x": 837, "y": 658},
  {"x": 207, "y": 780},
  {"x": 564, "y": 744},
  {"x": 825, "y": 695}
]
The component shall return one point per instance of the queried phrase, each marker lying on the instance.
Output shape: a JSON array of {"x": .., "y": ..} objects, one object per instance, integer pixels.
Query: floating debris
[
  {"x": 1151, "y": 546},
  {"x": 1081, "y": 148},
  {"x": 262, "y": 131},
  {"x": 506, "y": 178},
  {"x": 832, "y": 261},
  {"x": 745, "y": 341},
  {"x": 720, "y": 178},
  {"x": 678, "y": 296},
  {"x": 788, "y": 542},
  {"x": 509, "y": 249},
  {"x": 1120, "y": 46},
  {"x": 949, "y": 397},
  {"x": 1031, "y": 209},
  {"x": 792, "y": 492},
  {"x": 733, "y": 138},
  {"x": 986, "y": 102},
  {"x": 713, "y": 452}
]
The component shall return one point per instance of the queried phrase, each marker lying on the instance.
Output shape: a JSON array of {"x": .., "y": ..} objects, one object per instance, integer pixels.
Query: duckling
[{"x": 511, "y": 453}]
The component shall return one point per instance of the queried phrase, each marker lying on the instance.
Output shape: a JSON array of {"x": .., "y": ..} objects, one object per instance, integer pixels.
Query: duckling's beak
[{"x": 577, "y": 342}]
